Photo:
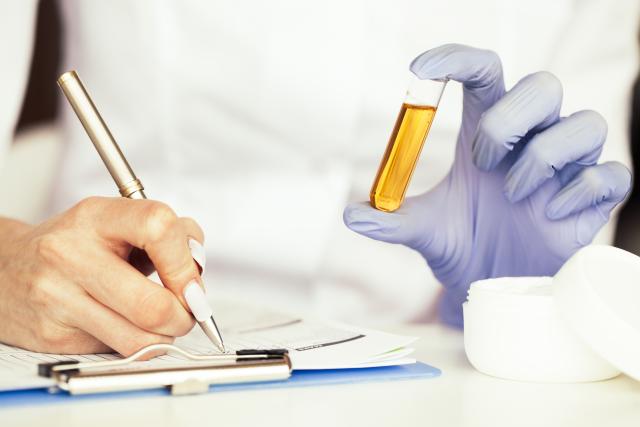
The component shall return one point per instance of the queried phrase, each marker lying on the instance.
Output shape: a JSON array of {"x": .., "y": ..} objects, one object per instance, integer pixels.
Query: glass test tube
[{"x": 406, "y": 141}]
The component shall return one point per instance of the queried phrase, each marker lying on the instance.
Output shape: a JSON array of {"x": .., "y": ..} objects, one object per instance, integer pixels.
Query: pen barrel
[{"x": 75, "y": 92}]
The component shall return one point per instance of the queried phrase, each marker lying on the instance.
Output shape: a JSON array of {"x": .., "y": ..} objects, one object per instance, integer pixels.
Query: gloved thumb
[{"x": 391, "y": 227}]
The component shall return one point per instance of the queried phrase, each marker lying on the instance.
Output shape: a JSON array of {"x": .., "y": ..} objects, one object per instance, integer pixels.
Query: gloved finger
[
  {"x": 391, "y": 227},
  {"x": 567, "y": 173},
  {"x": 602, "y": 186},
  {"x": 479, "y": 71},
  {"x": 533, "y": 103},
  {"x": 575, "y": 139},
  {"x": 588, "y": 222}
]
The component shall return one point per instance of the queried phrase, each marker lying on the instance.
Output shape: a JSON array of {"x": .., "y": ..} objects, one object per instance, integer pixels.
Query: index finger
[
  {"x": 479, "y": 71},
  {"x": 153, "y": 227}
]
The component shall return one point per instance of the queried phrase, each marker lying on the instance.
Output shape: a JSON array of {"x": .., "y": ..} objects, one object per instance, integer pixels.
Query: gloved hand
[{"x": 524, "y": 192}]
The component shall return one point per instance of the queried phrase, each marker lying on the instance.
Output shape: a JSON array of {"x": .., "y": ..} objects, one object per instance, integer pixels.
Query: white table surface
[{"x": 460, "y": 397}]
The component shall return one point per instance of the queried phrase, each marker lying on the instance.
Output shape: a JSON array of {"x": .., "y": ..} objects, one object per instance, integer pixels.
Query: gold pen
[{"x": 128, "y": 185}]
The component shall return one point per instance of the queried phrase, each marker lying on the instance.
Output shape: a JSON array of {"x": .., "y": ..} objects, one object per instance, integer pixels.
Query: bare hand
[{"x": 66, "y": 285}]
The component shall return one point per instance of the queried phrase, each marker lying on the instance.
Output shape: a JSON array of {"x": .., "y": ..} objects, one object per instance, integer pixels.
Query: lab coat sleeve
[
  {"x": 597, "y": 61},
  {"x": 17, "y": 24}
]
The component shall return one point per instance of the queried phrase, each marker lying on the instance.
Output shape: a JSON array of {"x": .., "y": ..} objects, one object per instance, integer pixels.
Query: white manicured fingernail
[
  {"x": 197, "y": 301},
  {"x": 198, "y": 253}
]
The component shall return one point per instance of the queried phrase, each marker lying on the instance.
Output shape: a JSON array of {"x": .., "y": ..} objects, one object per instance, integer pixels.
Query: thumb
[{"x": 391, "y": 227}]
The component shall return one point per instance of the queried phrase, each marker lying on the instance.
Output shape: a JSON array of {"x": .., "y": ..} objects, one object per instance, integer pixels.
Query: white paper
[{"x": 312, "y": 344}]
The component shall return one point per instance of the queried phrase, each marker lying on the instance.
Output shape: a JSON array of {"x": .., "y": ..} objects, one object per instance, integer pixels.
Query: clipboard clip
[{"x": 194, "y": 375}]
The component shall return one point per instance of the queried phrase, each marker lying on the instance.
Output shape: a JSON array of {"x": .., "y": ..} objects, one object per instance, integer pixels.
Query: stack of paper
[{"x": 313, "y": 344}]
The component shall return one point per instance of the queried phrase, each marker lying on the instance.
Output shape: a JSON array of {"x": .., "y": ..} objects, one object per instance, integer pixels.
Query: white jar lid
[{"x": 597, "y": 291}]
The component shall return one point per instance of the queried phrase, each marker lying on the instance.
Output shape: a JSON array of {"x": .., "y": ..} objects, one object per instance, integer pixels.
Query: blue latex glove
[{"x": 524, "y": 192}]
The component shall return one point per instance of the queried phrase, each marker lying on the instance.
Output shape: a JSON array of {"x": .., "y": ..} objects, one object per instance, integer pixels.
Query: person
[{"x": 260, "y": 119}]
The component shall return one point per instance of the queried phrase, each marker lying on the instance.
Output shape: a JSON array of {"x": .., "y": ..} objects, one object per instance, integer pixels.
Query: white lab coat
[{"x": 262, "y": 119}]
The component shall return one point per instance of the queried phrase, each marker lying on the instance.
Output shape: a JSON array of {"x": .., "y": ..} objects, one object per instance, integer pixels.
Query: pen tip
[{"x": 211, "y": 331}]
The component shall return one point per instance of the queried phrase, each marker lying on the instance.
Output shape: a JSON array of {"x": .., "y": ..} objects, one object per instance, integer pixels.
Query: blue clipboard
[{"x": 298, "y": 379}]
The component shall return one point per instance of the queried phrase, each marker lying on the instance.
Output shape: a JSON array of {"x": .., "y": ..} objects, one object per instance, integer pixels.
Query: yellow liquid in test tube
[{"x": 400, "y": 158}]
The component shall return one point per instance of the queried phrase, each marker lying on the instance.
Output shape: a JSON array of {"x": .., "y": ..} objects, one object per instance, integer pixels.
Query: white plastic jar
[{"x": 513, "y": 330}]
